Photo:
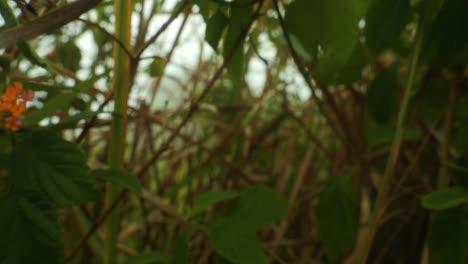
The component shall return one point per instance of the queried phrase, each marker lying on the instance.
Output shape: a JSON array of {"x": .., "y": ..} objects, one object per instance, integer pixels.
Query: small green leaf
[
  {"x": 445, "y": 199},
  {"x": 204, "y": 200},
  {"x": 235, "y": 51},
  {"x": 68, "y": 54},
  {"x": 214, "y": 29},
  {"x": 122, "y": 178},
  {"x": 72, "y": 120},
  {"x": 54, "y": 167},
  {"x": 338, "y": 216},
  {"x": 30, "y": 232},
  {"x": 59, "y": 102},
  {"x": 157, "y": 67}
]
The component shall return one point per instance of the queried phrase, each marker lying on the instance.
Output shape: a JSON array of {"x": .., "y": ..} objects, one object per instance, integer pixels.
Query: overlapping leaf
[
  {"x": 30, "y": 232},
  {"x": 54, "y": 167}
]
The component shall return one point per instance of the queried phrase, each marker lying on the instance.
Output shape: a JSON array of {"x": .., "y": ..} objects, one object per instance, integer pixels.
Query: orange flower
[
  {"x": 13, "y": 104},
  {"x": 12, "y": 92},
  {"x": 12, "y": 123},
  {"x": 18, "y": 109}
]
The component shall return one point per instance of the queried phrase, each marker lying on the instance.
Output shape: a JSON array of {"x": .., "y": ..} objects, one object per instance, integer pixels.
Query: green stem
[
  {"x": 121, "y": 85},
  {"x": 380, "y": 203}
]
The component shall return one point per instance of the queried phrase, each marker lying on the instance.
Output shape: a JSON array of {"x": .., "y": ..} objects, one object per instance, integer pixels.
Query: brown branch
[{"x": 46, "y": 23}]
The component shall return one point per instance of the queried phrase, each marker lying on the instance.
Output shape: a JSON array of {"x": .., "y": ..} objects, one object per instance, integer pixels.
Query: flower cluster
[{"x": 13, "y": 104}]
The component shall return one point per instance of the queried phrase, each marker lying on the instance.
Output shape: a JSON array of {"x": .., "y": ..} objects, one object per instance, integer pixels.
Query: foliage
[{"x": 245, "y": 131}]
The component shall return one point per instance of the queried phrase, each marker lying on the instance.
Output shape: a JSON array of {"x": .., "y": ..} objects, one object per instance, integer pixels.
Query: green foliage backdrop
[{"x": 287, "y": 131}]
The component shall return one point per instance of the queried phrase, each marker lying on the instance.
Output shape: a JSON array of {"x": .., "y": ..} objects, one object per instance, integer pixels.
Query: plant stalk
[
  {"x": 381, "y": 202},
  {"x": 121, "y": 86}
]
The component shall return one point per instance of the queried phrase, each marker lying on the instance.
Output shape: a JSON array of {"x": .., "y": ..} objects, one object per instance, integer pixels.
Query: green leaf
[
  {"x": 147, "y": 258},
  {"x": 448, "y": 237},
  {"x": 30, "y": 232},
  {"x": 233, "y": 45},
  {"x": 338, "y": 216},
  {"x": 444, "y": 199},
  {"x": 121, "y": 178},
  {"x": 181, "y": 250},
  {"x": 68, "y": 54},
  {"x": 384, "y": 134},
  {"x": 59, "y": 102},
  {"x": 214, "y": 29},
  {"x": 384, "y": 22},
  {"x": 234, "y": 51},
  {"x": 382, "y": 96},
  {"x": 446, "y": 39},
  {"x": 7, "y": 14},
  {"x": 260, "y": 206},
  {"x": 331, "y": 25},
  {"x": 204, "y": 200},
  {"x": 54, "y": 167},
  {"x": 234, "y": 235},
  {"x": 157, "y": 67},
  {"x": 236, "y": 242},
  {"x": 72, "y": 120}
]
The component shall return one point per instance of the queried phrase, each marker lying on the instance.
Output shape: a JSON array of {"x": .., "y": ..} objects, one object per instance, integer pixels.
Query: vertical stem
[
  {"x": 121, "y": 85},
  {"x": 452, "y": 101},
  {"x": 381, "y": 202}
]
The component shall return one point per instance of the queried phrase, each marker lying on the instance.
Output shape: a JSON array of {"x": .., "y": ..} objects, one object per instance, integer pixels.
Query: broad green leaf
[
  {"x": 30, "y": 232},
  {"x": 445, "y": 199},
  {"x": 384, "y": 134},
  {"x": 446, "y": 39},
  {"x": 338, "y": 216},
  {"x": 207, "y": 7},
  {"x": 384, "y": 22},
  {"x": 204, "y": 200},
  {"x": 121, "y": 178},
  {"x": 348, "y": 72},
  {"x": 234, "y": 235},
  {"x": 237, "y": 242},
  {"x": 147, "y": 258},
  {"x": 331, "y": 25},
  {"x": 260, "y": 206},
  {"x": 382, "y": 96},
  {"x": 54, "y": 167},
  {"x": 448, "y": 237},
  {"x": 181, "y": 253},
  {"x": 157, "y": 67},
  {"x": 214, "y": 29}
]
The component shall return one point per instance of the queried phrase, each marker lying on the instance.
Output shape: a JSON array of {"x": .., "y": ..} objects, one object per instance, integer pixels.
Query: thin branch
[{"x": 46, "y": 23}]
